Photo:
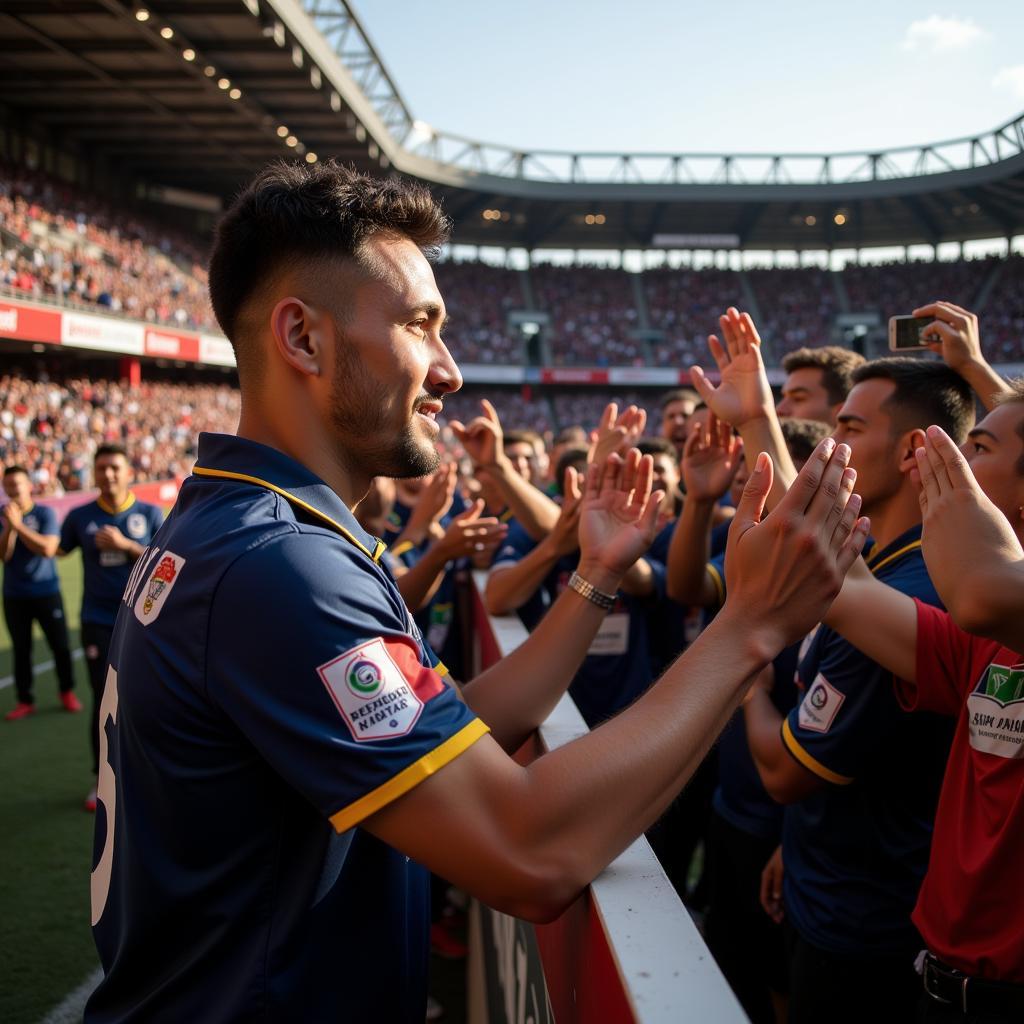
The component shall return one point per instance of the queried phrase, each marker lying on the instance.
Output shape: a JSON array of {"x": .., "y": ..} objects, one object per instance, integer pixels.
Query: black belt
[{"x": 946, "y": 984}]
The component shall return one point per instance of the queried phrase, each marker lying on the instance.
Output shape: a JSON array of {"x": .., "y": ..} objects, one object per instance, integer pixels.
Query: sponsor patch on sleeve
[
  {"x": 157, "y": 588},
  {"x": 379, "y": 688},
  {"x": 820, "y": 705}
]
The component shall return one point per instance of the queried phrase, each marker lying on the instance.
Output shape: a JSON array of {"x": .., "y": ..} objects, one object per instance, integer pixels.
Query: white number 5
[{"x": 106, "y": 793}]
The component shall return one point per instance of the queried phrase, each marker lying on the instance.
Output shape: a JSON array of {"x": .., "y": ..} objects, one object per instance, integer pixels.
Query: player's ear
[
  {"x": 301, "y": 335},
  {"x": 909, "y": 443}
]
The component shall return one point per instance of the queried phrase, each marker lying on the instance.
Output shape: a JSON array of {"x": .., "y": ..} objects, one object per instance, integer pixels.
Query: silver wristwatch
[{"x": 603, "y": 601}]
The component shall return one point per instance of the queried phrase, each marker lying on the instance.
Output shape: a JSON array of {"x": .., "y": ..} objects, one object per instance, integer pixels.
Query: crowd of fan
[
  {"x": 593, "y": 315},
  {"x": 56, "y": 242},
  {"x": 53, "y": 427}
]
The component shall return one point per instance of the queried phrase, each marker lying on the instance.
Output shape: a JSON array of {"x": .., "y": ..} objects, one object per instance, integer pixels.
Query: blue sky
[{"x": 719, "y": 77}]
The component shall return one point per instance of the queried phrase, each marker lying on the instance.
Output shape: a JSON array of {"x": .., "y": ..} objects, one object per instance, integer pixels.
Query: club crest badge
[
  {"x": 995, "y": 712},
  {"x": 820, "y": 705},
  {"x": 372, "y": 693},
  {"x": 157, "y": 587}
]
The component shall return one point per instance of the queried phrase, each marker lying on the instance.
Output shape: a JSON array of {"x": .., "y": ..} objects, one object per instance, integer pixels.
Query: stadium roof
[{"x": 195, "y": 94}]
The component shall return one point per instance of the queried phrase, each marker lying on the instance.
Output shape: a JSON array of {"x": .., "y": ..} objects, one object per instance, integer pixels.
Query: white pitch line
[
  {"x": 43, "y": 666},
  {"x": 69, "y": 1010}
]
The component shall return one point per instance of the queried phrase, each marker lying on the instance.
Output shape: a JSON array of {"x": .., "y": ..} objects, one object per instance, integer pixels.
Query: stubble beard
[{"x": 359, "y": 414}]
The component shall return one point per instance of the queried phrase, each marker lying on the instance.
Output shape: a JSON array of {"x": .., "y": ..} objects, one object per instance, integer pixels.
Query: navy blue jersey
[
  {"x": 105, "y": 573},
  {"x": 267, "y": 692},
  {"x": 619, "y": 666},
  {"x": 672, "y": 626},
  {"x": 27, "y": 574},
  {"x": 857, "y": 850},
  {"x": 740, "y": 796}
]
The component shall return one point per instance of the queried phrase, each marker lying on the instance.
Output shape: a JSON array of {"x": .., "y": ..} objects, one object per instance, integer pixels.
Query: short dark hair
[
  {"x": 837, "y": 367},
  {"x": 571, "y": 435},
  {"x": 570, "y": 457},
  {"x": 679, "y": 395},
  {"x": 926, "y": 392},
  {"x": 111, "y": 449},
  {"x": 294, "y": 212},
  {"x": 13, "y": 470},
  {"x": 658, "y": 446},
  {"x": 803, "y": 436},
  {"x": 530, "y": 437}
]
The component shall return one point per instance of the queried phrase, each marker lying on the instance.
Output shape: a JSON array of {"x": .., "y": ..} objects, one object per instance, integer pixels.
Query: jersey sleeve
[
  {"x": 846, "y": 710},
  {"x": 69, "y": 539},
  {"x": 716, "y": 570},
  {"x": 315, "y": 660},
  {"x": 518, "y": 544},
  {"x": 944, "y": 659}
]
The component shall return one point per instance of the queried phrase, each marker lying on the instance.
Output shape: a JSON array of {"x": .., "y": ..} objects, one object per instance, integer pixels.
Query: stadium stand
[{"x": 61, "y": 244}]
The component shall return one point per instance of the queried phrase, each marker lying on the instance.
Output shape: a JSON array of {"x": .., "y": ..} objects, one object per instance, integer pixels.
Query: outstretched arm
[
  {"x": 973, "y": 555},
  {"x": 526, "y": 840}
]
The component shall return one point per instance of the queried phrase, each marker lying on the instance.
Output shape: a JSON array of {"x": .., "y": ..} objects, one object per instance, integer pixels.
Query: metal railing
[{"x": 340, "y": 27}]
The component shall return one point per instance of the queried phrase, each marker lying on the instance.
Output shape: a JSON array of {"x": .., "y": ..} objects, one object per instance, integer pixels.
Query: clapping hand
[
  {"x": 618, "y": 517},
  {"x": 483, "y": 437},
  {"x": 711, "y": 457},
  {"x": 784, "y": 571},
  {"x": 744, "y": 393},
  {"x": 616, "y": 432}
]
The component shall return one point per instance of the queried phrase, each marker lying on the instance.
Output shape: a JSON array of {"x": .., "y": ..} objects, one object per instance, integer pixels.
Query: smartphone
[{"x": 906, "y": 333}]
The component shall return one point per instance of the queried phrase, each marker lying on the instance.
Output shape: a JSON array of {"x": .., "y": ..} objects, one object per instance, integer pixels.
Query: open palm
[
  {"x": 744, "y": 393},
  {"x": 619, "y": 515},
  {"x": 710, "y": 458}
]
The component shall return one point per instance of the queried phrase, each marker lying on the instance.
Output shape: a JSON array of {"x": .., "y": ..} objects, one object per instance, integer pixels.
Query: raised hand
[
  {"x": 744, "y": 393},
  {"x": 616, "y": 432},
  {"x": 782, "y": 573},
  {"x": 618, "y": 517},
  {"x": 965, "y": 533},
  {"x": 110, "y": 538},
  {"x": 471, "y": 535},
  {"x": 711, "y": 456},
  {"x": 12, "y": 514},
  {"x": 434, "y": 500},
  {"x": 955, "y": 333},
  {"x": 564, "y": 537},
  {"x": 483, "y": 437},
  {"x": 955, "y": 336}
]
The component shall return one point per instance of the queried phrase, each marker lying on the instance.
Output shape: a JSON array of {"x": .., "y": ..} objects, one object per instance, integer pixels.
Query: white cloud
[
  {"x": 1010, "y": 80},
  {"x": 936, "y": 34}
]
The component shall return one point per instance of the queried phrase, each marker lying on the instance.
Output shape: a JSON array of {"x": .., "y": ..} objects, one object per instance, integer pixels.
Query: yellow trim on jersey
[
  {"x": 914, "y": 544},
  {"x": 812, "y": 764},
  {"x": 111, "y": 511},
  {"x": 245, "y": 478},
  {"x": 716, "y": 578},
  {"x": 441, "y": 669},
  {"x": 505, "y": 516},
  {"x": 409, "y": 778},
  {"x": 400, "y": 549}
]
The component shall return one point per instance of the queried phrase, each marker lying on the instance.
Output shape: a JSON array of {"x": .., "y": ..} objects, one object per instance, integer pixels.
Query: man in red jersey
[{"x": 959, "y": 663}]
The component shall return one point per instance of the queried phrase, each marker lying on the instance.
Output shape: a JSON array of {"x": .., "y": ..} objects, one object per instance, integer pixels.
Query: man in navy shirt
[
  {"x": 859, "y": 776},
  {"x": 28, "y": 543},
  {"x": 281, "y": 751},
  {"x": 112, "y": 532}
]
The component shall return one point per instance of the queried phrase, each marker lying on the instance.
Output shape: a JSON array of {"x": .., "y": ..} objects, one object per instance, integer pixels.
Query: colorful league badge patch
[{"x": 376, "y": 698}]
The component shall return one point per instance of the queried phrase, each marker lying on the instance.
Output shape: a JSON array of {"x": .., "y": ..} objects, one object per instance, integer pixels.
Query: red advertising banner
[
  {"x": 28, "y": 323},
  {"x": 162, "y": 344},
  {"x": 573, "y": 375}
]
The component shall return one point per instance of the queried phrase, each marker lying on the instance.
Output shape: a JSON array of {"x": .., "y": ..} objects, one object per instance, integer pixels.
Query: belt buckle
[{"x": 929, "y": 967}]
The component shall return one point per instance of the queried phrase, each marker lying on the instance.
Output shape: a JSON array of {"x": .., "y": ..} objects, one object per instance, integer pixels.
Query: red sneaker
[
  {"x": 20, "y": 711},
  {"x": 70, "y": 701},
  {"x": 90, "y": 802}
]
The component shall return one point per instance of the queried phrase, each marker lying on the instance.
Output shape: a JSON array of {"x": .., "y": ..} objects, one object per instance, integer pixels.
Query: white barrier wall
[{"x": 626, "y": 951}]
